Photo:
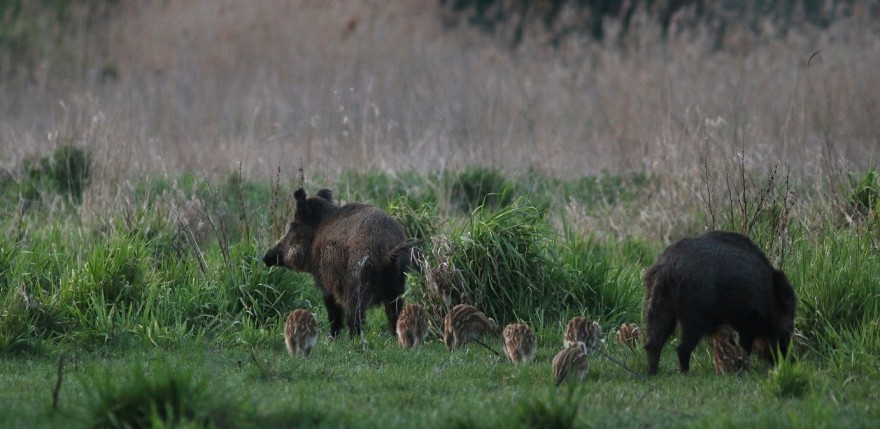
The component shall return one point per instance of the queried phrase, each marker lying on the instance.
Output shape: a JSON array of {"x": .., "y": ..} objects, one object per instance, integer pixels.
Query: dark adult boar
[
  {"x": 356, "y": 254},
  {"x": 719, "y": 278}
]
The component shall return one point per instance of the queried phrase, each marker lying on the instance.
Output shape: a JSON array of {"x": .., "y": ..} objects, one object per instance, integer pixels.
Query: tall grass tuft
[
  {"x": 548, "y": 413},
  {"x": 835, "y": 277},
  {"x": 789, "y": 379},
  {"x": 385, "y": 189},
  {"x": 419, "y": 221},
  {"x": 602, "y": 285},
  {"x": 260, "y": 295},
  {"x": 118, "y": 270},
  {"x": 479, "y": 186},
  {"x": 864, "y": 194},
  {"x": 66, "y": 171},
  {"x": 160, "y": 396},
  {"x": 502, "y": 262},
  {"x": 103, "y": 297},
  {"x": 30, "y": 306},
  {"x": 14, "y": 326},
  {"x": 17, "y": 332},
  {"x": 854, "y": 349}
]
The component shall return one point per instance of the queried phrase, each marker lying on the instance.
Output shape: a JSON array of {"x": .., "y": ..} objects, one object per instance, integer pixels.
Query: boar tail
[{"x": 394, "y": 255}]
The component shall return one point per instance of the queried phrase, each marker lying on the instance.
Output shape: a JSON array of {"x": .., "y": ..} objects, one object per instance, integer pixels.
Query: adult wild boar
[
  {"x": 356, "y": 253},
  {"x": 719, "y": 278}
]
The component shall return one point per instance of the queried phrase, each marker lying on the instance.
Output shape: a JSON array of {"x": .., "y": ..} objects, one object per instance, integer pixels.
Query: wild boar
[
  {"x": 356, "y": 253},
  {"x": 719, "y": 278}
]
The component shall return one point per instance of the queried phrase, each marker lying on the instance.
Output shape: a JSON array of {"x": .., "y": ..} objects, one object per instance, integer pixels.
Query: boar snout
[{"x": 272, "y": 258}]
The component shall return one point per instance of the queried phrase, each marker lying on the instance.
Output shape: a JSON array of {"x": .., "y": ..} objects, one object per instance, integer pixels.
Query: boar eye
[{"x": 295, "y": 226}]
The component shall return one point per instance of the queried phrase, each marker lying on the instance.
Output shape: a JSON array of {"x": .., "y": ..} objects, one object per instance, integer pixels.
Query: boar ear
[
  {"x": 326, "y": 194},
  {"x": 302, "y": 207},
  {"x": 299, "y": 195},
  {"x": 783, "y": 289}
]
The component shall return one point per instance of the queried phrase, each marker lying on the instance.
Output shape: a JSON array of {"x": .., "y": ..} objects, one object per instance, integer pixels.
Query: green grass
[
  {"x": 346, "y": 383},
  {"x": 164, "y": 325}
]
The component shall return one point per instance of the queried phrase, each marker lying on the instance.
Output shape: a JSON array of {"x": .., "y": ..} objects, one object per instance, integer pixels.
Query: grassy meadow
[{"x": 149, "y": 152}]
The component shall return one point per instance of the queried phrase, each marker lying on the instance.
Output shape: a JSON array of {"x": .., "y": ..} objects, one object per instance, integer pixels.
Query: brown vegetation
[{"x": 206, "y": 86}]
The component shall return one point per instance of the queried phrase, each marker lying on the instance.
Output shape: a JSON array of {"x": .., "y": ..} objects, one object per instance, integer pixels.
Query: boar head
[{"x": 293, "y": 250}]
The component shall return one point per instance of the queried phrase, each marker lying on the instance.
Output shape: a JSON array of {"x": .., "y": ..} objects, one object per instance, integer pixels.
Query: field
[{"x": 145, "y": 168}]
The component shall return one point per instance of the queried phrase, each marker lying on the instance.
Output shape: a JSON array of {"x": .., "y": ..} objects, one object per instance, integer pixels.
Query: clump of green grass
[
  {"x": 104, "y": 296},
  {"x": 67, "y": 171},
  {"x": 261, "y": 295},
  {"x": 602, "y": 284},
  {"x": 16, "y": 328},
  {"x": 382, "y": 188},
  {"x": 30, "y": 309},
  {"x": 479, "y": 187},
  {"x": 835, "y": 277},
  {"x": 854, "y": 349},
  {"x": 864, "y": 194},
  {"x": 118, "y": 270},
  {"x": 790, "y": 379},
  {"x": 158, "y": 397},
  {"x": 501, "y": 262},
  {"x": 418, "y": 222},
  {"x": 548, "y": 413}
]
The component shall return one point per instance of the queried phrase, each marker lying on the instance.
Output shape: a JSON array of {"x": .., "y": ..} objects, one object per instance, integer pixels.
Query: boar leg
[
  {"x": 392, "y": 310},
  {"x": 659, "y": 330},
  {"x": 334, "y": 313},
  {"x": 414, "y": 339},
  {"x": 356, "y": 319},
  {"x": 747, "y": 341},
  {"x": 690, "y": 337}
]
